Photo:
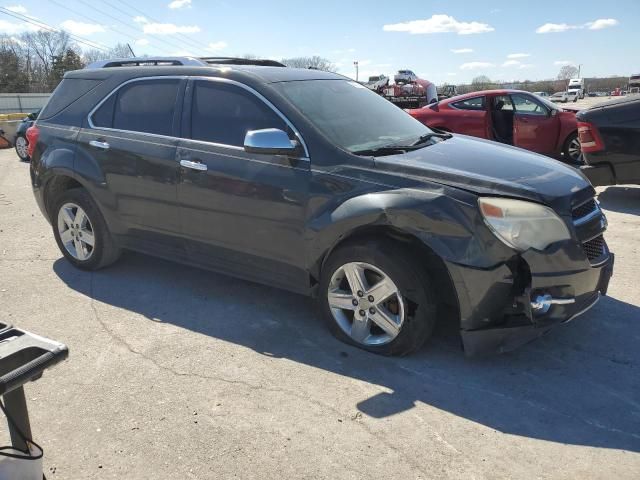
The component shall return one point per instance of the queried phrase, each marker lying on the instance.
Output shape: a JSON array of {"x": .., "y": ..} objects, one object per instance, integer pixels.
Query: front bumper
[{"x": 495, "y": 320}]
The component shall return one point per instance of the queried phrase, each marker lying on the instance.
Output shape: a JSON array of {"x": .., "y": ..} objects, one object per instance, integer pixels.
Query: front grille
[
  {"x": 594, "y": 248},
  {"x": 583, "y": 210}
]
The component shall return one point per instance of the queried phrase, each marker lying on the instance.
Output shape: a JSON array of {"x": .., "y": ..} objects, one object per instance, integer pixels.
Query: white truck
[{"x": 576, "y": 88}]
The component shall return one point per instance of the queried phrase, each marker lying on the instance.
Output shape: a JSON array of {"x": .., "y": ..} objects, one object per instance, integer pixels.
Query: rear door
[
  {"x": 242, "y": 213},
  {"x": 132, "y": 136},
  {"x": 470, "y": 116},
  {"x": 534, "y": 128}
]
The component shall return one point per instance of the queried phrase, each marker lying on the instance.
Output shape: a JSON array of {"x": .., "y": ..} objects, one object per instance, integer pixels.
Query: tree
[
  {"x": 12, "y": 77},
  {"x": 567, "y": 72},
  {"x": 481, "y": 80},
  {"x": 315, "y": 62},
  {"x": 67, "y": 62}
]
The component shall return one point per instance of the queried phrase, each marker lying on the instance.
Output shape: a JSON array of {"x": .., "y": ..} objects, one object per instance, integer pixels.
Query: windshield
[
  {"x": 547, "y": 103},
  {"x": 374, "y": 79},
  {"x": 352, "y": 116}
]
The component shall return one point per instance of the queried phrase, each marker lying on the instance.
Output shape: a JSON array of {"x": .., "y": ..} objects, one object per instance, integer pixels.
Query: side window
[
  {"x": 223, "y": 113},
  {"x": 144, "y": 106},
  {"x": 475, "y": 103},
  {"x": 527, "y": 105},
  {"x": 503, "y": 103}
]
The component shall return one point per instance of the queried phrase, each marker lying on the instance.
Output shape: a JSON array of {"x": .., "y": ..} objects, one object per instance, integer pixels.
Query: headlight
[{"x": 523, "y": 225}]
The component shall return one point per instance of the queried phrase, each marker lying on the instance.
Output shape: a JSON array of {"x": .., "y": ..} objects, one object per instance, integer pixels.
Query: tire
[
  {"x": 21, "y": 145},
  {"x": 568, "y": 150},
  {"x": 415, "y": 300},
  {"x": 103, "y": 252}
]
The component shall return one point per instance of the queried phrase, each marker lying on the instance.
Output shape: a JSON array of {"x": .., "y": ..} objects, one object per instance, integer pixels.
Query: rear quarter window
[{"x": 67, "y": 92}]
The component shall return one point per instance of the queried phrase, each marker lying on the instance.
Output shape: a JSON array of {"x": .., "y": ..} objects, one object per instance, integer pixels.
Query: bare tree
[
  {"x": 567, "y": 72},
  {"x": 315, "y": 62}
]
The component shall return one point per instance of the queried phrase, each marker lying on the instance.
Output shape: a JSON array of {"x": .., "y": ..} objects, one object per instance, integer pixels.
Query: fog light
[{"x": 542, "y": 303}]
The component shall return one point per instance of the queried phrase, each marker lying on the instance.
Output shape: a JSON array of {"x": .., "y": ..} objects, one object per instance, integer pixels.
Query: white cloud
[
  {"x": 17, "y": 41},
  {"x": 518, "y": 55},
  {"x": 555, "y": 28},
  {"x": 142, "y": 42},
  {"x": 561, "y": 63},
  {"x": 180, "y": 4},
  {"x": 526, "y": 65},
  {"x": 476, "y": 65},
  {"x": 601, "y": 23},
  {"x": 140, "y": 19},
  {"x": 598, "y": 24},
  {"x": 439, "y": 24},
  {"x": 511, "y": 63},
  {"x": 452, "y": 74},
  {"x": 217, "y": 46},
  {"x": 17, "y": 9},
  {"x": 12, "y": 28},
  {"x": 168, "y": 28},
  {"x": 80, "y": 28},
  {"x": 462, "y": 50}
]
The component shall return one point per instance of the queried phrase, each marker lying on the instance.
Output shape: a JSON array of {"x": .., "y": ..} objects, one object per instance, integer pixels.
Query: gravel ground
[{"x": 177, "y": 373}]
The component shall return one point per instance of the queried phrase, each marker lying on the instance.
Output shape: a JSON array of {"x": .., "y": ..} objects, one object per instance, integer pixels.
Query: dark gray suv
[{"x": 308, "y": 181}]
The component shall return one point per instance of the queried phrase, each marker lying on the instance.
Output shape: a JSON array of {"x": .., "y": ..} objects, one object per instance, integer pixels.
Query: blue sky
[{"x": 441, "y": 41}]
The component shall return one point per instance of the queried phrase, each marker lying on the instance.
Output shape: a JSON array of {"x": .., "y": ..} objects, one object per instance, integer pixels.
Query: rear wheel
[
  {"x": 22, "y": 147},
  {"x": 376, "y": 298},
  {"x": 81, "y": 232}
]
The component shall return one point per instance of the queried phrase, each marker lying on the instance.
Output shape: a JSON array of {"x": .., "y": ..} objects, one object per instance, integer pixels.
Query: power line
[
  {"x": 48, "y": 27},
  {"x": 124, "y": 23},
  {"x": 186, "y": 39},
  {"x": 86, "y": 17}
]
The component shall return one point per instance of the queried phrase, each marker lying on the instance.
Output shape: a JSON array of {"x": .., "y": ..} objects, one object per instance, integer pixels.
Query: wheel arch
[
  {"x": 56, "y": 184},
  {"x": 425, "y": 254}
]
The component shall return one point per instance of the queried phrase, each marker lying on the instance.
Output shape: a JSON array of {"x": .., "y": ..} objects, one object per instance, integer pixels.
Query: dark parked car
[
  {"x": 288, "y": 177},
  {"x": 20, "y": 141},
  {"x": 610, "y": 138}
]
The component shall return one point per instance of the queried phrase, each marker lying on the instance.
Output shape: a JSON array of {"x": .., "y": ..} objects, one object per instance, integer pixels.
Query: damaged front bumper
[{"x": 496, "y": 319}]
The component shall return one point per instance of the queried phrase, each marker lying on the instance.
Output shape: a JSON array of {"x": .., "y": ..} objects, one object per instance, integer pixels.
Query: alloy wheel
[
  {"x": 574, "y": 149},
  {"x": 76, "y": 231},
  {"x": 22, "y": 147},
  {"x": 365, "y": 303}
]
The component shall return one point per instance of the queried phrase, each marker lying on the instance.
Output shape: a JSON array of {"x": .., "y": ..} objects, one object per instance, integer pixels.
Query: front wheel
[
  {"x": 22, "y": 148},
  {"x": 375, "y": 297}
]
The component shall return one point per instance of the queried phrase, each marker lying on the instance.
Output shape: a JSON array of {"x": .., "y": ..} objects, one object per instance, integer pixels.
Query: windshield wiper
[
  {"x": 387, "y": 150},
  {"x": 429, "y": 136}
]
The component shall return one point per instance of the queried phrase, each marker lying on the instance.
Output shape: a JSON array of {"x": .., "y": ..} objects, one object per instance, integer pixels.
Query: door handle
[
  {"x": 201, "y": 167},
  {"x": 99, "y": 145}
]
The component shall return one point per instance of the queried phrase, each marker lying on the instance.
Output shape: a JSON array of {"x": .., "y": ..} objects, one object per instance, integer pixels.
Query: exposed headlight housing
[{"x": 522, "y": 225}]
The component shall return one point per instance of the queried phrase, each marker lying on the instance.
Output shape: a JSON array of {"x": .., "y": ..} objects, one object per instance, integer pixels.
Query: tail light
[
  {"x": 33, "y": 133},
  {"x": 590, "y": 140}
]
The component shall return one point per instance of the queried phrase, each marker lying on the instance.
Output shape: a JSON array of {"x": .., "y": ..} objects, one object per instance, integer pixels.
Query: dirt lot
[{"x": 176, "y": 373}]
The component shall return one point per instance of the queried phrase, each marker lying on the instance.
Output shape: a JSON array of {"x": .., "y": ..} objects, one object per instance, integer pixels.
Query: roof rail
[
  {"x": 148, "y": 61},
  {"x": 180, "y": 61},
  {"x": 242, "y": 61}
]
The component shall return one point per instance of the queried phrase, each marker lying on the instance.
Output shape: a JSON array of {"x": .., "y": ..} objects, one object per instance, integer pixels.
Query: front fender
[{"x": 446, "y": 220}]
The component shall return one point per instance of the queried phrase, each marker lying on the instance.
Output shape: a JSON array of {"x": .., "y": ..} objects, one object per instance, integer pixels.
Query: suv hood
[{"x": 489, "y": 168}]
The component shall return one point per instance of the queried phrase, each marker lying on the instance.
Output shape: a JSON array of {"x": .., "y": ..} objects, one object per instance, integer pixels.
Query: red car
[{"x": 513, "y": 117}]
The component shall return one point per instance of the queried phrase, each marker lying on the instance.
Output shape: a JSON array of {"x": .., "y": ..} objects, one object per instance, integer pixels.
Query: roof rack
[
  {"x": 180, "y": 61},
  {"x": 242, "y": 61}
]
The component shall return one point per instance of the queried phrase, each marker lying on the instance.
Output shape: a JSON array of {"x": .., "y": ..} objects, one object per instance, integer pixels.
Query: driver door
[
  {"x": 242, "y": 213},
  {"x": 534, "y": 126}
]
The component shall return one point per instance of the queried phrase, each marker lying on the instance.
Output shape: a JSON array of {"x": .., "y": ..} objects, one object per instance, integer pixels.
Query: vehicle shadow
[
  {"x": 623, "y": 199},
  {"x": 579, "y": 385}
]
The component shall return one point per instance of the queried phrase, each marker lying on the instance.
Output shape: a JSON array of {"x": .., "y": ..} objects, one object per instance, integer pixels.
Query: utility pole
[
  {"x": 579, "y": 69},
  {"x": 355, "y": 63}
]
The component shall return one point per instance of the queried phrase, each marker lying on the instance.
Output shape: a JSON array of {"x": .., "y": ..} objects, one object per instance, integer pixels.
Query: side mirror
[
  {"x": 553, "y": 113},
  {"x": 269, "y": 141}
]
